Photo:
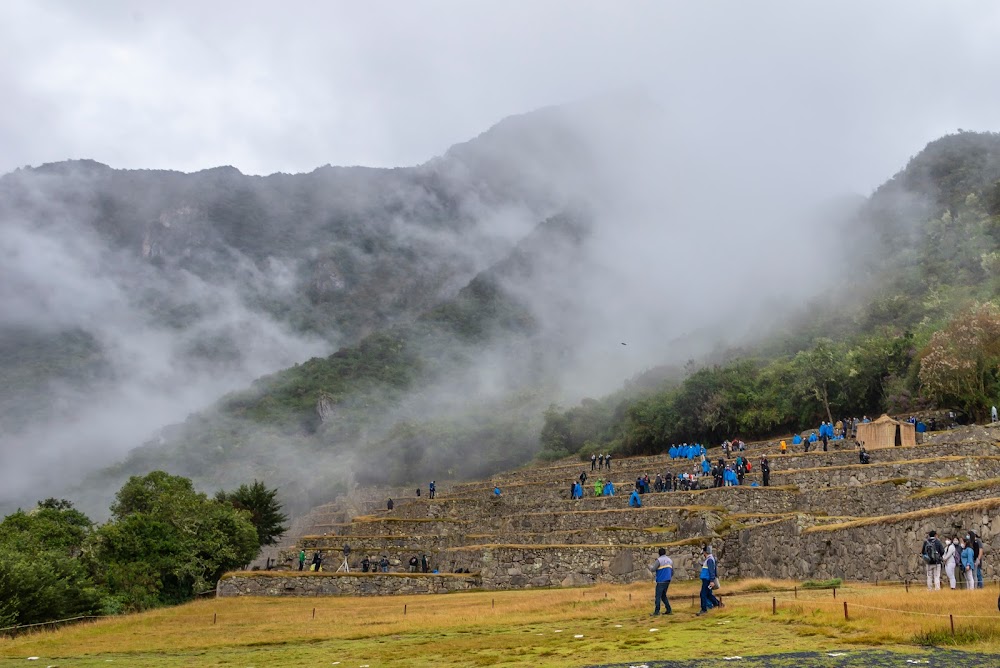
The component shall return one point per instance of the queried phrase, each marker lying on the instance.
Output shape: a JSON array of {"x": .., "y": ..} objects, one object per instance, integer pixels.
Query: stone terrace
[{"x": 825, "y": 516}]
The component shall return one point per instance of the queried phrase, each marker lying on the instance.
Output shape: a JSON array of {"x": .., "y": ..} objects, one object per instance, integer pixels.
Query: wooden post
[
  {"x": 314, "y": 613},
  {"x": 774, "y": 606},
  {"x": 215, "y": 617},
  {"x": 796, "y": 589},
  {"x": 906, "y": 583},
  {"x": 835, "y": 592},
  {"x": 630, "y": 596},
  {"x": 494, "y": 603},
  {"x": 404, "y": 610},
  {"x": 846, "y": 618},
  {"x": 951, "y": 618}
]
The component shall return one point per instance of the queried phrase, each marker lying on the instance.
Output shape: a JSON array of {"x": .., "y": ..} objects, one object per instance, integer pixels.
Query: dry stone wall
[{"x": 333, "y": 584}]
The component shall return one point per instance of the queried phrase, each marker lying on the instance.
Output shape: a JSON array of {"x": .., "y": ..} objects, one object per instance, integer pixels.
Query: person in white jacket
[{"x": 949, "y": 560}]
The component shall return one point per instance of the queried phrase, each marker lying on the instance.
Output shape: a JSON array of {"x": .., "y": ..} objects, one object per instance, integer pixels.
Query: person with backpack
[
  {"x": 951, "y": 559},
  {"x": 765, "y": 471},
  {"x": 383, "y": 564},
  {"x": 414, "y": 562},
  {"x": 302, "y": 560},
  {"x": 932, "y": 554},
  {"x": 432, "y": 488}
]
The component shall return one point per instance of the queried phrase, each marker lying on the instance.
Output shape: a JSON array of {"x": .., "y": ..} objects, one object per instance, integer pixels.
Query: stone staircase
[{"x": 824, "y": 516}]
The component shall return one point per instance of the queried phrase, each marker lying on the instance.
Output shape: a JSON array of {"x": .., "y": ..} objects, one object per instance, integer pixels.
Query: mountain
[
  {"x": 136, "y": 298},
  {"x": 909, "y": 329}
]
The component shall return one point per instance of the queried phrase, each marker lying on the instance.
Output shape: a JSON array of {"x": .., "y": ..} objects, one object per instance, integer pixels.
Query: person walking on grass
[
  {"x": 663, "y": 569},
  {"x": 968, "y": 564},
  {"x": 950, "y": 553},
  {"x": 932, "y": 554},
  {"x": 709, "y": 574}
]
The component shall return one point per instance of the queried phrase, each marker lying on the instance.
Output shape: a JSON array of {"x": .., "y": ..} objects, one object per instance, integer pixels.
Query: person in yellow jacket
[{"x": 784, "y": 447}]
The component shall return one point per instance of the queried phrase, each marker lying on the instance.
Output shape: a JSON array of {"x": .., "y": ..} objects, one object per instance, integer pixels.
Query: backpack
[{"x": 930, "y": 554}]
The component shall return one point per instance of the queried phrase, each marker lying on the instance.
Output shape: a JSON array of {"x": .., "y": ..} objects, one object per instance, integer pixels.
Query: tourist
[
  {"x": 765, "y": 470},
  {"x": 663, "y": 569},
  {"x": 389, "y": 504},
  {"x": 863, "y": 455},
  {"x": 496, "y": 491},
  {"x": 423, "y": 564},
  {"x": 784, "y": 447},
  {"x": 383, "y": 564},
  {"x": 977, "y": 555},
  {"x": 302, "y": 560},
  {"x": 932, "y": 554},
  {"x": 432, "y": 488},
  {"x": 950, "y": 554},
  {"x": 609, "y": 489},
  {"x": 968, "y": 564},
  {"x": 414, "y": 563},
  {"x": 709, "y": 574},
  {"x": 583, "y": 478},
  {"x": 365, "y": 564},
  {"x": 418, "y": 491},
  {"x": 593, "y": 462},
  {"x": 633, "y": 500},
  {"x": 317, "y": 561},
  {"x": 993, "y": 414},
  {"x": 607, "y": 461},
  {"x": 598, "y": 486},
  {"x": 600, "y": 462}
]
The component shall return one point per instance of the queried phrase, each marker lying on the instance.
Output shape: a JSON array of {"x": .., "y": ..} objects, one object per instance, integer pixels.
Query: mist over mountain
[{"x": 425, "y": 317}]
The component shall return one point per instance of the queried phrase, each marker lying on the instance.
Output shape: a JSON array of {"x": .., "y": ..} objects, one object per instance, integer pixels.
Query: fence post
[
  {"x": 314, "y": 613},
  {"x": 215, "y": 617},
  {"x": 774, "y": 606},
  {"x": 494, "y": 603},
  {"x": 951, "y": 618},
  {"x": 906, "y": 583},
  {"x": 404, "y": 610},
  {"x": 835, "y": 592},
  {"x": 846, "y": 618},
  {"x": 796, "y": 589}
]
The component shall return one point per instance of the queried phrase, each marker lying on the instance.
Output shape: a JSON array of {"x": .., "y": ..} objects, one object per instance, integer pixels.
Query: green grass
[{"x": 512, "y": 628}]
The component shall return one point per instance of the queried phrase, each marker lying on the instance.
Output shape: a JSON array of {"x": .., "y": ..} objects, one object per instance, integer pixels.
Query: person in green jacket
[
  {"x": 598, "y": 487},
  {"x": 302, "y": 559}
]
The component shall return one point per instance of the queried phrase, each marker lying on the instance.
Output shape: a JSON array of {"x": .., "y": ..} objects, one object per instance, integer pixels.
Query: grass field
[{"x": 559, "y": 627}]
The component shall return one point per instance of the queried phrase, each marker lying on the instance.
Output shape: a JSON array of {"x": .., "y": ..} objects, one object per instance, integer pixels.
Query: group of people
[
  {"x": 961, "y": 556},
  {"x": 685, "y": 451},
  {"x": 598, "y": 462},
  {"x": 663, "y": 572}
]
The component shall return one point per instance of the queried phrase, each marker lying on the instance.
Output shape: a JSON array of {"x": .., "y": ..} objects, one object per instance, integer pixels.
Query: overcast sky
[{"x": 845, "y": 90}]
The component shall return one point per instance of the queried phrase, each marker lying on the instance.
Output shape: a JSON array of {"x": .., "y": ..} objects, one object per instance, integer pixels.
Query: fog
[{"x": 705, "y": 142}]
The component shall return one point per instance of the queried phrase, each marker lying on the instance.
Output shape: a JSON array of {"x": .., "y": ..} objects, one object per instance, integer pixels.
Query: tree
[
  {"x": 41, "y": 575},
  {"x": 166, "y": 542},
  {"x": 820, "y": 371},
  {"x": 960, "y": 367},
  {"x": 262, "y": 504}
]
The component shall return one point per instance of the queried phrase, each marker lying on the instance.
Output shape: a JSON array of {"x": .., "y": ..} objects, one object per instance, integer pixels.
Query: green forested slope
[{"x": 904, "y": 333}]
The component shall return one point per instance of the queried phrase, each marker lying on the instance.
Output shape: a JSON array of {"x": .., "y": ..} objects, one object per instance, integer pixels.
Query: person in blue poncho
[
  {"x": 797, "y": 439},
  {"x": 633, "y": 500},
  {"x": 702, "y": 451},
  {"x": 609, "y": 489},
  {"x": 673, "y": 452},
  {"x": 705, "y": 467}
]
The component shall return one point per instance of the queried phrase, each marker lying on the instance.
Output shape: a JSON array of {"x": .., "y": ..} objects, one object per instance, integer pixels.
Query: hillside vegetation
[{"x": 914, "y": 328}]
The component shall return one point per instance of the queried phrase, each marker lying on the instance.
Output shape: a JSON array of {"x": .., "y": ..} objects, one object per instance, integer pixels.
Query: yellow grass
[
  {"x": 955, "y": 489},
  {"x": 513, "y": 628},
  {"x": 984, "y": 504}
]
